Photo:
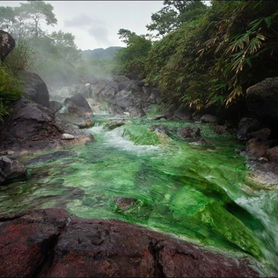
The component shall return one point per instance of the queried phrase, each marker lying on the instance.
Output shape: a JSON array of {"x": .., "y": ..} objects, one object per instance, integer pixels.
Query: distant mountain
[{"x": 101, "y": 54}]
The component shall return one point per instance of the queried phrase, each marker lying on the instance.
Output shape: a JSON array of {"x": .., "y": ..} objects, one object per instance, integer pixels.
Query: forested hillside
[{"x": 205, "y": 56}]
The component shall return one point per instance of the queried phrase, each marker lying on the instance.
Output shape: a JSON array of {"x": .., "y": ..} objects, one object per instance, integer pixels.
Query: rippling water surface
[{"x": 136, "y": 175}]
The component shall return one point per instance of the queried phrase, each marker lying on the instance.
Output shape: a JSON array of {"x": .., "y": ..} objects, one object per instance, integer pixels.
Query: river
[{"x": 200, "y": 193}]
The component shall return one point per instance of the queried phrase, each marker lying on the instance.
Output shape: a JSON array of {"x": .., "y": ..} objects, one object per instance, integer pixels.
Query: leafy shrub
[
  {"x": 9, "y": 91},
  {"x": 20, "y": 58}
]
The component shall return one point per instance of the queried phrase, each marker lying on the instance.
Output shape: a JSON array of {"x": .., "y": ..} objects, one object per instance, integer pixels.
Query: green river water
[{"x": 199, "y": 193}]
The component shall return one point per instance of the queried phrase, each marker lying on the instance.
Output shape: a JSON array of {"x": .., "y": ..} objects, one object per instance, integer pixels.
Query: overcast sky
[{"x": 96, "y": 23}]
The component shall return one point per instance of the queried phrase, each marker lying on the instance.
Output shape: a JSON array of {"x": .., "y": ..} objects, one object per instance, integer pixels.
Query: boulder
[
  {"x": 35, "y": 88},
  {"x": 190, "y": 133},
  {"x": 7, "y": 44},
  {"x": 77, "y": 104},
  {"x": 272, "y": 154},
  {"x": 114, "y": 124},
  {"x": 29, "y": 122},
  {"x": 122, "y": 94},
  {"x": 182, "y": 113},
  {"x": 220, "y": 129},
  {"x": 48, "y": 243},
  {"x": 246, "y": 126},
  {"x": 256, "y": 149},
  {"x": 55, "y": 106},
  {"x": 207, "y": 118},
  {"x": 261, "y": 134},
  {"x": 11, "y": 170},
  {"x": 262, "y": 99},
  {"x": 88, "y": 123},
  {"x": 66, "y": 136}
]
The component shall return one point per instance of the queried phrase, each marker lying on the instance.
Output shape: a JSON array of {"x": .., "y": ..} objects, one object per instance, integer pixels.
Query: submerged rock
[
  {"x": 11, "y": 170},
  {"x": 51, "y": 157},
  {"x": 125, "y": 203},
  {"x": 47, "y": 243}
]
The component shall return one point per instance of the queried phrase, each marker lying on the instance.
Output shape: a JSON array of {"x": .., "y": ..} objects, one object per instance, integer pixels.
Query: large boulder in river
[
  {"x": 48, "y": 243},
  {"x": 78, "y": 104},
  {"x": 29, "y": 123},
  {"x": 262, "y": 99},
  {"x": 11, "y": 170},
  {"x": 7, "y": 44},
  {"x": 35, "y": 88}
]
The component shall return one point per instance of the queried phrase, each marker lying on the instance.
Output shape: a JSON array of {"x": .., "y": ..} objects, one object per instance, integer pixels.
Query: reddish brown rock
[
  {"x": 25, "y": 242},
  {"x": 46, "y": 244},
  {"x": 272, "y": 154}
]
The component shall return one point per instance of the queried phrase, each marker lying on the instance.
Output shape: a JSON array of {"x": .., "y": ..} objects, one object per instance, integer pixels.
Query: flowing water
[{"x": 197, "y": 192}]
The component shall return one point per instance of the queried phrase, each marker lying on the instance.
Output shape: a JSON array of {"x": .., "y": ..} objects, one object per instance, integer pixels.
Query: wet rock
[
  {"x": 261, "y": 134},
  {"x": 122, "y": 94},
  {"x": 190, "y": 133},
  {"x": 272, "y": 154},
  {"x": 256, "y": 149},
  {"x": 7, "y": 44},
  {"x": 246, "y": 126},
  {"x": 262, "y": 99},
  {"x": 55, "y": 106},
  {"x": 25, "y": 242},
  {"x": 28, "y": 125},
  {"x": 182, "y": 113},
  {"x": 114, "y": 124},
  {"x": 67, "y": 136},
  {"x": 86, "y": 124},
  {"x": 11, "y": 170},
  {"x": 164, "y": 117},
  {"x": 77, "y": 104},
  {"x": 220, "y": 129},
  {"x": 47, "y": 243},
  {"x": 35, "y": 88},
  {"x": 125, "y": 204},
  {"x": 207, "y": 118}
]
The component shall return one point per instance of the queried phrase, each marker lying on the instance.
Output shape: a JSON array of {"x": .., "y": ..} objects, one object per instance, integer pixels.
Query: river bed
[{"x": 197, "y": 192}]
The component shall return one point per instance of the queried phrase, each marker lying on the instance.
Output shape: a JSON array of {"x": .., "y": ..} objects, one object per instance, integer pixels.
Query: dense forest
[
  {"x": 205, "y": 56},
  {"x": 201, "y": 55}
]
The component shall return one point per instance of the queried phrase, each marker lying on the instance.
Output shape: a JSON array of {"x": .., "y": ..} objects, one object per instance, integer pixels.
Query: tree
[
  {"x": 174, "y": 14},
  {"x": 132, "y": 58},
  {"x": 126, "y": 35},
  {"x": 37, "y": 11},
  {"x": 7, "y": 18}
]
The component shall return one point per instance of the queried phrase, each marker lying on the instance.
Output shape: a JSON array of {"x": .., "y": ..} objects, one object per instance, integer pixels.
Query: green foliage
[
  {"x": 132, "y": 58},
  {"x": 9, "y": 91},
  {"x": 20, "y": 58},
  {"x": 174, "y": 14},
  {"x": 213, "y": 56}
]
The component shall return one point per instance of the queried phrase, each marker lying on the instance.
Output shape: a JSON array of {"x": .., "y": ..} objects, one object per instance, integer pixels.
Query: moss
[{"x": 10, "y": 91}]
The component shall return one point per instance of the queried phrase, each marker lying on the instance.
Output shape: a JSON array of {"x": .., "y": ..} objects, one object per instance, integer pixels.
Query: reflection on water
[{"x": 192, "y": 191}]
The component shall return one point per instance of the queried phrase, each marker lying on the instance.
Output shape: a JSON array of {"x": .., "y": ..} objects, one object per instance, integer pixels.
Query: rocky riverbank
[{"x": 50, "y": 243}]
